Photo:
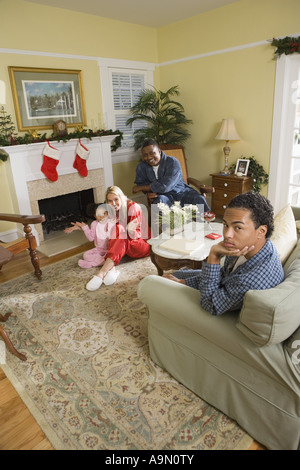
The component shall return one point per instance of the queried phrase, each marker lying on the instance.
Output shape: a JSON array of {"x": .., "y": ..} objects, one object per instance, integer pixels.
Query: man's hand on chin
[{"x": 222, "y": 249}]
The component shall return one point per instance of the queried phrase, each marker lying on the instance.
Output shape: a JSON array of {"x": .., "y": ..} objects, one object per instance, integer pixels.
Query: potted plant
[
  {"x": 257, "y": 173},
  {"x": 176, "y": 217},
  {"x": 164, "y": 118}
]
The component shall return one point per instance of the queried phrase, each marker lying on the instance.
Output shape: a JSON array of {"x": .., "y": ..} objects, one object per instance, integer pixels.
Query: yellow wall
[
  {"x": 243, "y": 22},
  {"x": 33, "y": 27},
  {"x": 238, "y": 84},
  {"x": 236, "y": 92},
  {"x": 53, "y": 30}
]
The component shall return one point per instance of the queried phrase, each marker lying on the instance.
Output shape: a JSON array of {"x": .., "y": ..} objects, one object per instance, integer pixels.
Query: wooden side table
[{"x": 226, "y": 187}]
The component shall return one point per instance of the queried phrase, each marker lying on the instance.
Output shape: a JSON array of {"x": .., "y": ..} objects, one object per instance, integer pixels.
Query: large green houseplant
[{"x": 163, "y": 117}]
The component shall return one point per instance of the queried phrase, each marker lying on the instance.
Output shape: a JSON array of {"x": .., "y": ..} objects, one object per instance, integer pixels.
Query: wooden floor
[{"x": 18, "y": 428}]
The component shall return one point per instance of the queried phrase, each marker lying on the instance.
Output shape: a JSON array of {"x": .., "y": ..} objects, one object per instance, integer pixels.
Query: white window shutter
[{"x": 126, "y": 89}]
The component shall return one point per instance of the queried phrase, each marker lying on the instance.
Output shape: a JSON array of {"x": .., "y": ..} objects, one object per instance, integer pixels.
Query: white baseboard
[{"x": 10, "y": 235}]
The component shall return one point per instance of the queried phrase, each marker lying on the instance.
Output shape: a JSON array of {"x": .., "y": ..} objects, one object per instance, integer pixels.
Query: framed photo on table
[
  {"x": 43, "y": 96},
  {"x": 242, "y": 166}
]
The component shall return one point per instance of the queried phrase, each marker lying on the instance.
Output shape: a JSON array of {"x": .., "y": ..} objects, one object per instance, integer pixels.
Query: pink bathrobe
[{"x": 98, "y": 233}]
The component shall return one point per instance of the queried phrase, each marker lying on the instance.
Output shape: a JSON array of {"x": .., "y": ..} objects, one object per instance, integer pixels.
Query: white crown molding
[
  {"x": 46, "y": 54},
  {"x": 223, "y": 51},
  {"x": 122, "y": 63},
  {"x": 102, "y": 61},
  {"x": 127, "y": 64},
  {"x": 218, "y": 52}
]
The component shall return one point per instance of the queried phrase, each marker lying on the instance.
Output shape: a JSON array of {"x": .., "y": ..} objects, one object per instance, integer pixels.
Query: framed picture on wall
[
  {"x": 242, "y": 166},
  {"x": 43, "y": 96}
]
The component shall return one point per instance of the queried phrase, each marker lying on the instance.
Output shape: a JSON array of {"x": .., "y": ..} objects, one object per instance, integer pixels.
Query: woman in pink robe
[{"x": 128, "y": 237}]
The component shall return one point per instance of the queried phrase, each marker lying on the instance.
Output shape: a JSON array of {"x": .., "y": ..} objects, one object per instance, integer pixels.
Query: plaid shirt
[{"x": 222, "y": 290}]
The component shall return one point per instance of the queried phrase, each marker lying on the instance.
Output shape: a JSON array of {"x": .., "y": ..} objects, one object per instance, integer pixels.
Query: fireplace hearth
[{"x": 28, "y": 184}]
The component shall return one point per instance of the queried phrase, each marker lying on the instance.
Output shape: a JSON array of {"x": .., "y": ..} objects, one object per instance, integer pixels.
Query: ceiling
[{"x": 152, "y": 13}]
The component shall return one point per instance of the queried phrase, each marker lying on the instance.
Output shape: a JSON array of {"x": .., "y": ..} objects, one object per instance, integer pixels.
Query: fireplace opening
[{"x": 60, "y": 211}]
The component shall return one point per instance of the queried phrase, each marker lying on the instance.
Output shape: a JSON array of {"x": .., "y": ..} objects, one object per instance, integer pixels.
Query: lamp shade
[{"x": 227, "y": 131}]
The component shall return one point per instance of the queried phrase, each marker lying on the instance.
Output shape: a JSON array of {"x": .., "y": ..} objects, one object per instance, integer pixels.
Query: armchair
[
  {"x": 7, "y": 252},
  {"x": 7, "y": 341},
  {"x": 177, "y": 151},
  {"x": 5, "y": 257},
  {"x": 28, "y": 242}
]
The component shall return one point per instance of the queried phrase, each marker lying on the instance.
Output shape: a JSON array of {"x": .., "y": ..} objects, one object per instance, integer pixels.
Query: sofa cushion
[
  {"x": 284, "y": 236},
  {"x": 270, "y": 316}
]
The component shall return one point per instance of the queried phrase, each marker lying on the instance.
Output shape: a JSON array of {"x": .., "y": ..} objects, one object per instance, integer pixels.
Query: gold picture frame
[{"x": 43, "y": 95}]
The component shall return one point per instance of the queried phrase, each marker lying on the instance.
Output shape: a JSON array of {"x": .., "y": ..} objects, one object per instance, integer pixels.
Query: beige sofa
[{"x": 246, "y": 364}]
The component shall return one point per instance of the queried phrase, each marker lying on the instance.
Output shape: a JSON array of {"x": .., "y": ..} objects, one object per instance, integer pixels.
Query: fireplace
[
  {"x": 61, "y": 211},
  {"x": 29, "y": 186}
]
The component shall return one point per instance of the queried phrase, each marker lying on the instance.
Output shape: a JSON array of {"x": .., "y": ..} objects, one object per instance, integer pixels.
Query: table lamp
[{"x": 227, "y": 132}]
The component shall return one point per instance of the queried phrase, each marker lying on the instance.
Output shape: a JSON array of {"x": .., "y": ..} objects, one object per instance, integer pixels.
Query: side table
[{"x": 226, "y": 187}]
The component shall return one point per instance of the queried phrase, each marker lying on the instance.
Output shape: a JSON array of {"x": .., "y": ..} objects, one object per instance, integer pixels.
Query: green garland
[
  {"x": 79, "y": 133},
  {"x": 287, "y": 45},
  {"x": 3, "y": 155}
]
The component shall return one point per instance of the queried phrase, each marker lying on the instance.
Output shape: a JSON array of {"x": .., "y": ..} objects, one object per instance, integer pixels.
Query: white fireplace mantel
[{"x": 24, "y": 167}]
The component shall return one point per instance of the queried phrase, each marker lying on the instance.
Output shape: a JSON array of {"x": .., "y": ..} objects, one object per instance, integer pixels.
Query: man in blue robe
[{"x": 160, "y": 176}]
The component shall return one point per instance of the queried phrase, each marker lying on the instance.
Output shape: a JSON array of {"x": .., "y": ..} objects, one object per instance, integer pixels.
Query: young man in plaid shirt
[{"x": 251, "y": 263}]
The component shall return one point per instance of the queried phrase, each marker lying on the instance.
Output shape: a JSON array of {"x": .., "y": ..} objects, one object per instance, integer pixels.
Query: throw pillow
[{"x": 284, "y": 236}]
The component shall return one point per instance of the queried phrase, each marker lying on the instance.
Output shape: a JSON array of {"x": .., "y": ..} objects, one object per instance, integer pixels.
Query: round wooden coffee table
[{"x": 165, "y": 260}]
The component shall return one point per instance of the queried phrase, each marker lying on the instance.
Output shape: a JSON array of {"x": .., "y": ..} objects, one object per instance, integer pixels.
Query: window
[
  {"x": 294, "y": 183},
  {"x": 126, "y": 89},
  {"x": 121, "y": 83},
  {"x": 284, "y": 181}
]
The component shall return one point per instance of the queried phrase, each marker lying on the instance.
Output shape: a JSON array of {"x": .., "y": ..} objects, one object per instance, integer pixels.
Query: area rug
[{"x": 88, "y": 378}]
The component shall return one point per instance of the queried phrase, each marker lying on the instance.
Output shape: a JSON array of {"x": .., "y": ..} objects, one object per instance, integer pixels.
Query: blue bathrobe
[{"x": 169, "y": 184}]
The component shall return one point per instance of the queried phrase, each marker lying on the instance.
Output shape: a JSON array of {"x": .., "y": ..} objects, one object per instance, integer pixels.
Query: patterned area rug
[{"x": 88, "y": 379}]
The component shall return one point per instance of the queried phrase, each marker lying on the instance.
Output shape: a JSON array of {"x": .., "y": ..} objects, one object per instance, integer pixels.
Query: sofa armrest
[
  {"x": 202, "y": 188},
  {"x": 178, "y": 303},
  {"x": 23, "y": 219},
  {"x": 169, "y": 297}
]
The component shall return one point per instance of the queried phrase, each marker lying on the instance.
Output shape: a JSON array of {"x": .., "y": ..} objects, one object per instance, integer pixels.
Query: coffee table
[{"x": 165, "y": 260}]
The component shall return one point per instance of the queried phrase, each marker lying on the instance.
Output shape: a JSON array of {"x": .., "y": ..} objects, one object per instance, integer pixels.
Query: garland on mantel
[
  {"x": 287, "y": 45},
  {"x": 33, "y": 138}
]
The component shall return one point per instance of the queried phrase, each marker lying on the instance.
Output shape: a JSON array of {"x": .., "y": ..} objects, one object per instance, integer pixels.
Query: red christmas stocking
[
  {"x": 82, "y": 154},
  {"x": 51, "y": 160}
]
